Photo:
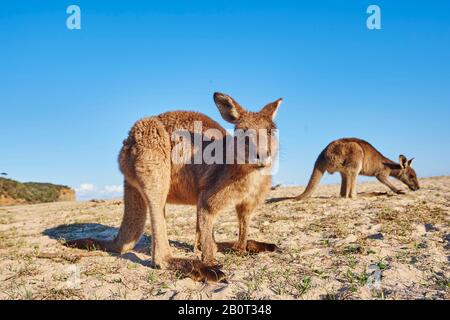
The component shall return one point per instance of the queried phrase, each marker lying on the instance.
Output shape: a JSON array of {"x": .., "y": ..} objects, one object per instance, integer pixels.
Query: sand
[{"x": 378, "y": 246}]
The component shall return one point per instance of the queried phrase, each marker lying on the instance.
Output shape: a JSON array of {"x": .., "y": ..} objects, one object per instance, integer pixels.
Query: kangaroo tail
[{"x": 316, "y": 175}]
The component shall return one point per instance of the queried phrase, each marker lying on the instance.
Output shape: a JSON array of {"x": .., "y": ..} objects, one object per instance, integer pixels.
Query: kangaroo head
[
  {"x": 407, "y": 174},
  {"x": 256, "y": 128}
]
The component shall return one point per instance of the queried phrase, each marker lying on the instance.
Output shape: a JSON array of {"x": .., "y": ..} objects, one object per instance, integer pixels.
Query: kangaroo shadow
[
  {"x": 360, "y": 194},
  {"x": 99, "y": 231},
  {"x": 274, "y": 200}
]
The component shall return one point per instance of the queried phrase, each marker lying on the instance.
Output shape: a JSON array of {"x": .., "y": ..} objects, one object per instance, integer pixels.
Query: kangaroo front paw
[{"x": 399, "y": 192}]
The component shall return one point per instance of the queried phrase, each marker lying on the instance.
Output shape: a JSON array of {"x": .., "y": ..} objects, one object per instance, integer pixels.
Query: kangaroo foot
[
  {"x": 252, "y": 246},
  {"x": 198, "y": 270}
]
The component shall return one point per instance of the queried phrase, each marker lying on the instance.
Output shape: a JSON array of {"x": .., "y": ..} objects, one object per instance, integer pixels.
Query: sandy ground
[{"x": 375, "y": 247}]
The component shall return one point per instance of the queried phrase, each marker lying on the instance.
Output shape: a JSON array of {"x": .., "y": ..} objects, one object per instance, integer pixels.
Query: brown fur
[
  {"x": 152, "y": 180},
  {"x": 352, "y": 157}
]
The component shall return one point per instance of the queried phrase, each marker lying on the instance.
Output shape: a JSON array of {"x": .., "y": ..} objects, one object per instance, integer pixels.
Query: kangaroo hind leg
[
  {"x": 352, "y": 175},
  {"x": 344, "y": 183},
  {"x": 154, "y": 182},
  {"x": 133, "y": 223}
]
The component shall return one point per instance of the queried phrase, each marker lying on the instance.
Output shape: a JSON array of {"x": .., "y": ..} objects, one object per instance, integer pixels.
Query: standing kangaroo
[
  {"x": 152, "y": 180},
  {"x": 352, "y": 157}
]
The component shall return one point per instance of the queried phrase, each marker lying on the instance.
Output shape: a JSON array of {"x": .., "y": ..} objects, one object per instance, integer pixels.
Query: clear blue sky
[{"x": 68, "y": 98}]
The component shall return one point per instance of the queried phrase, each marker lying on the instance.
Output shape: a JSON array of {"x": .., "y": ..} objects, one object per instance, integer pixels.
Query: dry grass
[{"x": 331, "y": 248}]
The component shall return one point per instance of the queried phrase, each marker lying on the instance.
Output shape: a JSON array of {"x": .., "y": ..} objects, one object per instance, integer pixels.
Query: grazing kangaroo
[
  {"x": 352, "y": 157},
  {"x": 152, "y": 180}
]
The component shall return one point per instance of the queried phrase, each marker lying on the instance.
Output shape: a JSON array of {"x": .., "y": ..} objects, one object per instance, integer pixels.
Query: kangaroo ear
[
  {"x": 403, "y": 161},
  {"x": 410, "y": 161},
  {"x": 230, "y": 110},
  {"x": 271, "y": 109}
]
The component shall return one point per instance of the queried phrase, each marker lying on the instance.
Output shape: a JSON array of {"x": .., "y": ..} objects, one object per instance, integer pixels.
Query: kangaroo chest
[{"x": 252, "y": 188}]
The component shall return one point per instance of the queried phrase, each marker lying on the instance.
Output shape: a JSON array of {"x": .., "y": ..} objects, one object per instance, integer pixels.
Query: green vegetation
[{"x": 30, "y": 192}]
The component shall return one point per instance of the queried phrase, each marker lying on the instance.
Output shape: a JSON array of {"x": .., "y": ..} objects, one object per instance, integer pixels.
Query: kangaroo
[
  {"x": 151, "y": 180},
  {"x": 352, "y": 157}
]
